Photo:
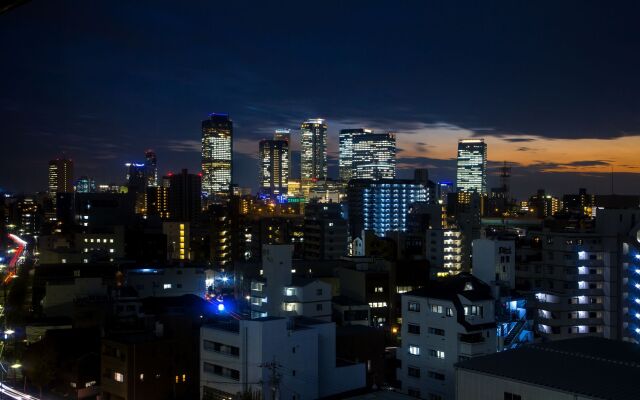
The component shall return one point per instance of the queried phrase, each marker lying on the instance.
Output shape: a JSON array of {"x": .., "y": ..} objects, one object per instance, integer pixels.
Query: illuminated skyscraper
[
  {"x": 285, "y": 134},
  {"x": 60, "y": 176},
  {"x": 217, "y": 154},
  {"x": 274, "y": 167},
  {"x": 374, "y": 156},
  {"x": 151, "y": 168},
  {"x": 472, "y": 166},
  {"x": 314, "y": 150},
  {"x": 346, "y": 151}
]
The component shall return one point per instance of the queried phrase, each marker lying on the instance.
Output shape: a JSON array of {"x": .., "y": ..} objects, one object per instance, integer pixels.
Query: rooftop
[
  {"x": 449, "y": 287},
  {"x": 589, "y": 366}
]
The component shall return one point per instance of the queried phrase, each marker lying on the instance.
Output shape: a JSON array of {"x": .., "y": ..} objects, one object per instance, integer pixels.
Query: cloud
[
  {"x": 182, "y": 146},
  {"x": 518, "y": 140}
]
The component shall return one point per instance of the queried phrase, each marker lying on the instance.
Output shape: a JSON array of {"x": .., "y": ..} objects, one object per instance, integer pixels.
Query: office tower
[
  {"x": 217, "y": 154},
  {"x": 136, "y": 177},
  {"x": 151, "y": 168},
  {"x": 284, "y": 134},
  {"x": 444, "y": 322},
  {"x": 381, "y": 206},
  {"x": 274, "y": 167},
  {"x": 313, "y": 145},
  {"x": 60, "y": 181},
  {"x": 345, "y": 160},
  {"x": 325, "y": 231},
  {"x": 185, "y": 201},
  {"x": 472, "y": 166},
  {"x": 374, "y": 156},
  {"x": 60, "y": 176},
  {"x": 85, "y": 184}
]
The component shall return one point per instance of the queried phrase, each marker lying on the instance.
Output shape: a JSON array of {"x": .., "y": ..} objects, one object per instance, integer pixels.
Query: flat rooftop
[{"x": 589, "y": 366}]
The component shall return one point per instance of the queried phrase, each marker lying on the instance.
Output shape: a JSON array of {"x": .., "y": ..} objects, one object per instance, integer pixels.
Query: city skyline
[{"x": 564, "y": 122}]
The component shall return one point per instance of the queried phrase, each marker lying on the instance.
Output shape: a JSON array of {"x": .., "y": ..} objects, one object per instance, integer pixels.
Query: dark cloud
[
  {"x": 518, "y": 140},
  {"x": 143, "y": 74}
]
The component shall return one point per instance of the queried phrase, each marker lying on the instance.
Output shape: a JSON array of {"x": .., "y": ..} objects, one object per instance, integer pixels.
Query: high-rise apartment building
[
  {"x": 345, "y": 160},
  {"x": 471, "y": 173},
  {"x": 313, "y": 145},
  {"x": 274, "y": 167},
  {"x": 381, "y": 206},
  {"x": 185, "y": 201},
  {"x": 374, "y": 156},
  {"x": 217, "y": 154},
  {"x": 151, "y": 168}
]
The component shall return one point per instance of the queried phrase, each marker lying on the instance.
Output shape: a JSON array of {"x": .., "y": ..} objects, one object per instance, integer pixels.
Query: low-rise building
[
  {"x": 446, "y": 321},
  {"x": 289, "y": 358},
  {"x": 582, "y": 368}
]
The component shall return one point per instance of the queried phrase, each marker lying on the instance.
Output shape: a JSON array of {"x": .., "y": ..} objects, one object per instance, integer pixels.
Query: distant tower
[
  {"x": 274, "y": 167},
  {"x": 471, "y": 175},
  {"x": 217, "y": 154},
  {"x": 285, "y": 134},
  {"x": 313, "y": 145},
  {"x": 60, "y": 176},
  {"x": 374, "y": 156},
  {"x": 505, "y": 175},
  {"x": 345, "y": 160},
  {"x": 151, "y": 168}
]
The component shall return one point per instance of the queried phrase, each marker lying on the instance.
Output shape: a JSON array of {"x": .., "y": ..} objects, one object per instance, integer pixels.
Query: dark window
[
  {"x": 436, "y": 331},
  {"x": 436, "y": 375},
  {"x": 413, "y": 328},
  {"x": 511, "y": 396},
  {"x": 318, "y": 307},
  {"x": 413, "y": 306},
  {"x": 413, "y": 371},
  {"x": 413, "y": 392},
  {"x": 318, "y": 292}
]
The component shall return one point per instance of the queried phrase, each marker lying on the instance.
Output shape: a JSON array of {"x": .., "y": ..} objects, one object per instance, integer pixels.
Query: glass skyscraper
[
  {"x": 217, "y": 154},
  {"x": 471, "y": 173},
  {"x": 313, "y": 145},
  {"x": 374, "y": 156},
  {"x": 274, "y": 167},
  {"x": 345, "y": 160}
]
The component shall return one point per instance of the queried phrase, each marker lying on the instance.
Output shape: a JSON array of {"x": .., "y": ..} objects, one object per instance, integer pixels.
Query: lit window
[
  {"x": 414, "y": 350},
  {"x": 436, "y": 308},
  {"x": 118, "y": 377},
  {"x": 166, "y": 286}
]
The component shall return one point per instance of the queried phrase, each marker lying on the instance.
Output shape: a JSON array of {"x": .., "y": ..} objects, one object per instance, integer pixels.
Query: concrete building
[
  {"x": 278, "y": 293},
  {"x": 274, "y": 358},
  {"x": 446, "y": 321},
  {"x": 584, "y": 280},
  {"x": 583, "y": 368},
  {"x": 444, "y": 249},
  {"x": 178, "y": 239},
  {"x": 495, "y": 260},
  {"x": 325, "y": 232}
]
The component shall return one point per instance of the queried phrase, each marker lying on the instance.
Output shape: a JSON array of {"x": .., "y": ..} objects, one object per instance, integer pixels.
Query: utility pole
[{"x": 274, "y": 378}]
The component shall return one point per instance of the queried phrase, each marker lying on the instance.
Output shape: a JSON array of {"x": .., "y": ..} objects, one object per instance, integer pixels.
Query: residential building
[
  {"x": 448, "y": 320},
  {"x": 178, "y": 239},
  {"x": 170, "y": 281},
  {"x": 185, "y": 196},
  {"x": 471, "y": 175},
  {"x": 325, "y": 231},
  {"x": 444, "y": 249},
  {"x": 244, "y": 356}
]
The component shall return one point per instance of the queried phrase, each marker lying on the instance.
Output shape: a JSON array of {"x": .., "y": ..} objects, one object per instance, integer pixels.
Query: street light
[
  {"x": 9, "y": 332},
  {"x": 16, "y": 366}
]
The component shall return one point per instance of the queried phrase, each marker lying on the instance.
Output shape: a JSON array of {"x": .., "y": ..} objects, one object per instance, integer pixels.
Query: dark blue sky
[{"x": 102, "y": 81}]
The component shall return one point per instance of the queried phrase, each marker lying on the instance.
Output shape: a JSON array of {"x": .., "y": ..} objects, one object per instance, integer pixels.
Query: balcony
[{"x": 472, "y": 349}]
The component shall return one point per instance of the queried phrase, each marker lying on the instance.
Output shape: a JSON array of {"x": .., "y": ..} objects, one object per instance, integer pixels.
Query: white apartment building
[
  {"x": 449, "y": 320},
  {"x": 287, "y": 358},
  {"x": 278, "y": 294},
  {"x": 444, "y": 249}
]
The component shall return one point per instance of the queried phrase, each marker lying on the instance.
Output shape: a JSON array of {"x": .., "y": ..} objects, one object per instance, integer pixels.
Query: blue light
[
  {"x": 225, "y": 279},
  {"x": 220, "y": 307}
]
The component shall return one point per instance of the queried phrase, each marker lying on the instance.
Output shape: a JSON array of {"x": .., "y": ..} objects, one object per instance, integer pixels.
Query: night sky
[{"x": 554, "y": 87}]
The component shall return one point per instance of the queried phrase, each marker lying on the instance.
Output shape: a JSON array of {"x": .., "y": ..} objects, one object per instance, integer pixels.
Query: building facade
[
  {"x": 374, "y": 156},
  {"x": 444, "y": 322},
  {"x": 274, "y": 167},
  {"x": 313, "y": 145},
  {"x": 471, "y": 175},
  {"x": 217, "y": 154},
  {"x": 345, "y": 161}
]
